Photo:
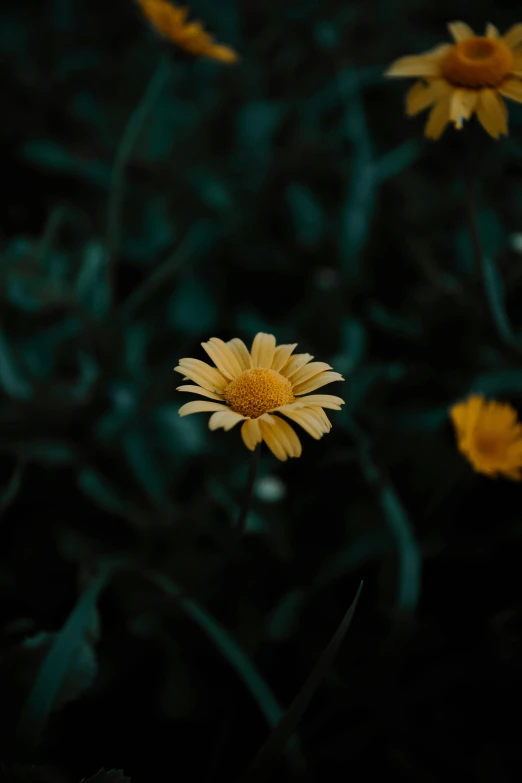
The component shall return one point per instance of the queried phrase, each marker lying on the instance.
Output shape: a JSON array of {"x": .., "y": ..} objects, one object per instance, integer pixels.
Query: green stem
[
  {"x": 252, "y": 473},
  {"x": 485, "y": 266},
  {"x": 124, "y": 152}
]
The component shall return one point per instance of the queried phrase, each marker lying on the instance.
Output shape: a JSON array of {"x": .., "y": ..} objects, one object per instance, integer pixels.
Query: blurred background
[{"x": 150, "y": 202}]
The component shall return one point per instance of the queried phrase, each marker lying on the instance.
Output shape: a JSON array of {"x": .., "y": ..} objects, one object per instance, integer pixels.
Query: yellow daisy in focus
[
  {"x": 251, "y": 386},
  {"x": 490, "y": 436},
  {"x": 466, "y": 77},
  {"x": 170, "y": 21}
]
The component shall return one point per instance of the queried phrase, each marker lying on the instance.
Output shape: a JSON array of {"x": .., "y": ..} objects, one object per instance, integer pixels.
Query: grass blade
[
  {"x": 41, "y": 699},
  {"x": 235, "y": 656},
  {"x": 289, "y": 721}
]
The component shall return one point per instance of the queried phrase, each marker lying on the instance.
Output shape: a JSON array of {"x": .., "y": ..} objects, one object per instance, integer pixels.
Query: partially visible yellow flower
[
  {"x": 469, "y": 76},
  {"x": 490, "y": 436},
  {"x": 170, "y": 21},
  {"x": 251, "y": 386}
]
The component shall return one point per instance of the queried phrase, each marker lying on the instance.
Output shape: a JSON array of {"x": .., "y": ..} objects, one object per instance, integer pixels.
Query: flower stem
[
  {"x": 249, "y": 491},
  {"x": 124, "y": 152},
  {"x": 485, "y": 266}
]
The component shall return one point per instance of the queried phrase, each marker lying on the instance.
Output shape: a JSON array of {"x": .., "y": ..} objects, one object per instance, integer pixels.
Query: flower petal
[
  {"x": 491, "y": 31},
  {"x": 512, "y": 88},
  {"x": 414, "y": 65},
  {"x": 281, "y": 355},
  {"x": 438, "y": 118},
  {"x": 277, "y": 440},
  {"x": 462, "y": 105},
  {"x": 226, "y": 419},
  {"x": 317, "y": 381},
  {"x": 513, "y": 37},
  {"x": 308, "y": 371},
  {"x": 200, "y": 406},
  {"x": 202, "y": 373},
  {"x": 492, "y": 113},
  {"x": 517, "y": 63},
  {"x": 263, "y": 349},
  {"x": 201, "y": 391},
  {"x": 223, "y": 358},
  {"x": 272, "y": 441},
  {"x": 287, "y": 436},
  {"x": 295, "y": 363},
  {"x": 323, "y": 400},
  {"x": 324, "y": 418},
  {"x": 460, "y": 31},
  {"x": 241, "y": 353},
  {"x": 307, "y": 419},
  {"x": 251, "y": 433},
  {"x": 465, "y": 414},
  {"x": 223, "y": 53},
  {"x": 420, "y": 96}
]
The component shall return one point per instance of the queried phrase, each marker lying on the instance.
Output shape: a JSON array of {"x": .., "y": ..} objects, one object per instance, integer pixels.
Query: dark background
[{"x": 287, "y": 194}]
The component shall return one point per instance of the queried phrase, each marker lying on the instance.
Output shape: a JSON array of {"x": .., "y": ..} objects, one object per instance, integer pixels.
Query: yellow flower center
[
  {"x": 258, "y": 391},
  {"x": 478, "y": 62}
]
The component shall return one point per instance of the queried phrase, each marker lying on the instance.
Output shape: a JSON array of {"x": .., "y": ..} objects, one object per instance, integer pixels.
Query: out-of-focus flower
[
  {"x": 466, "y": 77},
  {"x": 490, "y": 436},
  {"x": 250, "y": 386},
  {"x": 171, "y": 21}
]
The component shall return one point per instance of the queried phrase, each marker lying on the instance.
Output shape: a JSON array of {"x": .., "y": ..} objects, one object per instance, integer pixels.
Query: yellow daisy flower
[
  {"x": 490, "y": 436},
  {"x": 250, "y": 386},
  {"x": 170, "y": 21},
  {"x": 466, "y": 77}
]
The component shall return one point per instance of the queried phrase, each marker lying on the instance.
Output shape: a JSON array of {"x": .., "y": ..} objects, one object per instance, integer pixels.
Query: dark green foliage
[
  {"x": 18, "y": 773},
  {"x": 150, "y": 201},
  {"x": 114, "y": 776}
]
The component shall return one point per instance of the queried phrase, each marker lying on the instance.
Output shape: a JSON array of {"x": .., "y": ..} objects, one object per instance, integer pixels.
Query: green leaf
[
  {"x": 50, "y": 155},
  {"x": 233, "y": 653},
  {"x": 108, "y": 497},
  {"x": 283, "y": 619},
  {"x": 495, "y": 293},
  {"x": 499, "y": 382},
  {"x": 57, "y": 664},
  {"x": 25, "y": 660},
  {"x": 11, "y": 378},
  {"x": 423, "y": 421},
  {"x": 146, "y": 467},
  {"x": 47, "y": 452},
  {"x": 22, "y": 773},
  {"x": 395, "y": 161},
  {"x": 400, "y": 527},
  {"x": 257, "y": 122},
  {"x": 92, "y": 283},
  {"x": 290, "y": 720},
  {"x": 113, "y": 776},
  {"x": 408, "y": 590},
  {"x": 193, "y": 307},
  {"x": 307, "y": 213}
]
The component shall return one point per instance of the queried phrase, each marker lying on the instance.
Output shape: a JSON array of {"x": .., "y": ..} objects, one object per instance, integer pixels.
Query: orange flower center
[
  {"x": 478, "y": 62},
  {"x": 489, "y": 444},
  {"x": 258, "y": 391}
]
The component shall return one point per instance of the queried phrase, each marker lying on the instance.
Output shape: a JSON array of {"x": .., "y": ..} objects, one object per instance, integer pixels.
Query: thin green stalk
[
  {"x": 247, "y": 501},
  {"x": 485, "y": 265},
  {"x": 123, "y": 154},
  {"x": 408, "y": 551}
]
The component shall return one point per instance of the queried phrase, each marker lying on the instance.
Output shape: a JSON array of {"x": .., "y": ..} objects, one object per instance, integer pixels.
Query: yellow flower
[
  {"x": 250, "y": 386},
  {"x": 468, "y": 76},
  {"x": 170, "y": 21},
  {"x": 490, "y": 436}
]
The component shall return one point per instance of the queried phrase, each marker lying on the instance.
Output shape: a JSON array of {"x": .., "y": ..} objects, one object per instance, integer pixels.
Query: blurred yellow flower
[
  {"x": 490, "y": 436},
  {"x": 466, "y": 77},
  {"x": 170, "y": 21},
  {"x": 250, "y": 386}
]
